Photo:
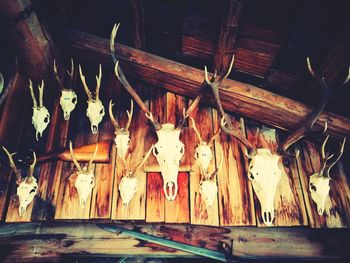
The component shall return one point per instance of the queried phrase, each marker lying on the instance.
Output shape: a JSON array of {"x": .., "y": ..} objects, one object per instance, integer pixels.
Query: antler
[
  {"x": 313, "y": 116},
  {"x": 98, "y": 82},
  {"x": 13, "y": 166},
  {"x": 31, "y": 170},
  {"x": 41, "y": 94},
  {"x": 326, "y": 167},
  {"x": 196, "y": 130},
  {"x": 143, "y": 160},
  {"x": 73, "y": 158},
  {"x": 220, "y": 164},
  {"x": 129, "y": 113},
  {"x": 92, "y": 158},
  {"x": 35, "y": 104},
  {"x": 86, "y": 88},
  {"x": 113, "y": 120},
  {"x": 347, "y": 77},
  {"x": 56, "y": 74},
  {"x": 71, "y": 73}
]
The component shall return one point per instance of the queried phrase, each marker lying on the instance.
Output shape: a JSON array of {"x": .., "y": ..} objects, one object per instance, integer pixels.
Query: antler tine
[
  {"x": 41, "y": 94},
  {"x": 129, "y": 113},
  {"x": 220, "y": 164},
  {"x": 214, "y": 136},
  {"x": 73, "y": 158},
  {"x": 56, "y": 74},
  {"x": 35, "y": 104},
  {"x": 143, "y": 160},
  {"x": 196, "y": 130},
  {"x": 86, "y": 88},
  {"x": 111, "y": 116},
  {"x": 31, "y": 169},
  {"x": 229, "y": 68},
  {"x": 98, "y": 82},
  {"x": 236, "y": 134},
  {"x": 13, "y": 166},
  {"x": 330, "y": 165},
  {"x": 71, "y": 73},
  {"x": 323, "y": 148},
  {"x": 313, "y": 116},
  {"x": 347, "y": 77},
  {"x": 93, "y": 157}
]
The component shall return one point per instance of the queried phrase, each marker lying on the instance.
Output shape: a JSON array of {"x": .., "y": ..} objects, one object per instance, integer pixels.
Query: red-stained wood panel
[
  {"x": 155, "y": 207},
  {"x": 337, "y": 208},
  {"x": 289, "y": 202}
]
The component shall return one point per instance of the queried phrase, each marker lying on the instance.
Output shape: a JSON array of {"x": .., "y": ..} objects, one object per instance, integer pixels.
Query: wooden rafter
[
  {"x": 138, "y": 29},
  {"x": 244, "y": 99}
]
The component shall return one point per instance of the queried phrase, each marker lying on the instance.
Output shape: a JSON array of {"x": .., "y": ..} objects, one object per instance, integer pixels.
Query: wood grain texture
[
  {"x": 155, "y": 204},
  {"x": 337, "y": 210},
  {"x": 289, "y": 203},
  {"x": 236, "y": 205},
  {"x": 199, "y": 212},
  {"x": 246, "y": 100}
]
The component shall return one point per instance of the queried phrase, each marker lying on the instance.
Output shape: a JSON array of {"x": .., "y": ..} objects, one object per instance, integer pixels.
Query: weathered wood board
[
  {"x": 289, "y": 203},
  {"x": 337, "y": 208},
  {"x": 236, "y": 205},
  {"x": 199, "y": 213}
]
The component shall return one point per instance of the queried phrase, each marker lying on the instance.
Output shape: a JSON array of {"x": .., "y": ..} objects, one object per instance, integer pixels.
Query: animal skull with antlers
[
  {"x": 95, "y": 110},
  {"x": 319, "y": 182},
  {"x": 85, "y": 180},
  {"x": 68, "y": 99},
  {"x": 129, "y": 183},
  {"x": 169, "y": 149},
  {"x": 26, "y": 187},
  {"x": 122, "y": 135},
  {"x": 41, "y": 116}
]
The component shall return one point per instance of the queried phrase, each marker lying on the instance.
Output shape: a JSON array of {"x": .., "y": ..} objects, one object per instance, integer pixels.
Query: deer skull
[
  {"x": 41, "y": 116},
  {"x": 122, "y": 135},
  {"x": 168, "y": 152},
  {"x": 209, "y": 191},
  {"x": 26, "y": 192},
  {"x": 319, "y": 182},
  {"x": 27, "y": 187},
  {"x": 95, "y": 110},
  {"x": 127, "y": 188},
  {"x": 129, "y": 183},
  {"x": 85, "y": 180},
  {"x": 264, "y": 173},
  {"x": 68, "y": 101}
]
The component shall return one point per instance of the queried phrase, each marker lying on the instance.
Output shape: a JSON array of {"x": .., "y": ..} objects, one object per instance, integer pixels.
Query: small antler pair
[
  {"x": 90, "y": 95},
  {"x": 41, "y": 94}
]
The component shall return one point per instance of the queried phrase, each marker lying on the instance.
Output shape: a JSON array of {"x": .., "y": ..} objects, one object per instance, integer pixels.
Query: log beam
[
  {"x": 49, "y": 242},
  {"x": 246, "y": 100},
  {"x": 34, "y": 45}
]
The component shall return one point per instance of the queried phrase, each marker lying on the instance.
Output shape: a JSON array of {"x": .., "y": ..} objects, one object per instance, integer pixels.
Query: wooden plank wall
[{"x": 236, "y": 203}]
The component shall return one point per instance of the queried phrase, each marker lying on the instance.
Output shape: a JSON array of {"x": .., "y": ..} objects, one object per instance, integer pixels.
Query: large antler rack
[{"x": 123, "y": 80}]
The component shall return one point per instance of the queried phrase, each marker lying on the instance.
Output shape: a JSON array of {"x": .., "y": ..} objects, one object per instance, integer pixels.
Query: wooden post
[{"x": 34, "y": 47}]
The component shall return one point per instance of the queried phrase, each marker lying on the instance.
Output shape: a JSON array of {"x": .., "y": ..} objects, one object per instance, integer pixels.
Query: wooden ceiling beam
[
  {"x": 233, "y": 10},
  {"x": 138, "y": 24},
  {"x": 246, "y": 100}
]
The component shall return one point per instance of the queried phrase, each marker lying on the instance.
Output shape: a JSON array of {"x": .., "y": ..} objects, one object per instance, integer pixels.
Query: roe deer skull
[
  {"x": 95, "y": 110},
  {"x": 85, "y": 180},
  {"x": 41, "y": 116},
  {"x": 122, "y": 135},
  {"x": 319, "y": 182},
  {"x": 129, "y": 184},
  {"x": 27, "y": 187},
  {"x": 68, "y": 99},
  {"x": 169, "y": 149}
]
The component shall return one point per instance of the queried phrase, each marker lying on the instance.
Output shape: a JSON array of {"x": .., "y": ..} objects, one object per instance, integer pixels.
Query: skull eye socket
[
  {"x": 74, "y": 100},
  {"x": 182, "y": 150},
  {"x": 251, "y": 176},
  {"x": 156, "y": 152},
  {"x": 313, "y": 187},
  {"x": 101, "y": 111},
  {"x": 46, "y": 119},
  {"x": 197, "y": 156}
]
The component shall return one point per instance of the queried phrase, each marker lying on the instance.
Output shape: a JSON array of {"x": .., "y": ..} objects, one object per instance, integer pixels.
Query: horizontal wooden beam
[
  {"x": 48, "y": 242},
  {"x": 246, "y": 100}
]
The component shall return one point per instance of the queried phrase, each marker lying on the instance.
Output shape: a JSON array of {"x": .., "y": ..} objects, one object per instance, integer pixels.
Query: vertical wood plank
[
  {"x": 236, "y": 205},
  {"x": 199, "y": 213},
  {"x": 155, "y": 206},
  {"x": 337, "y": 210},
  {"x": 289, "y": 203}
]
